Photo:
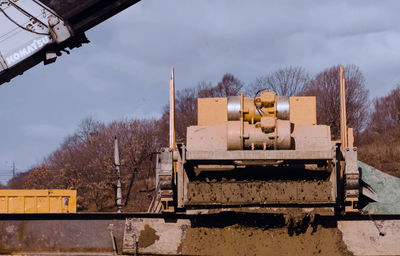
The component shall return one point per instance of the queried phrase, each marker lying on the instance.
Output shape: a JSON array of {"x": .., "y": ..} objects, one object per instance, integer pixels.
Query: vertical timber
[
  {"x": 343, "y": 117},
  {"x": 118, "y": 174},
  {"x": 172, "y": 144}
]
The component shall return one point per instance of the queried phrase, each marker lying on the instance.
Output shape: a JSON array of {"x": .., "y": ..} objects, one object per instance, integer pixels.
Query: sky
[{"x": 124, "y": 72}]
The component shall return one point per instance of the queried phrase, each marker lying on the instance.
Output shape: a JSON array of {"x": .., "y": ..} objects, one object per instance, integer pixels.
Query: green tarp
[{"x": 386, "y": 187}]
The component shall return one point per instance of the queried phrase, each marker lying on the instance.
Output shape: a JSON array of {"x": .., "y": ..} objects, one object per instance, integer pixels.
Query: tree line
[{"x": 84, "y": 161}]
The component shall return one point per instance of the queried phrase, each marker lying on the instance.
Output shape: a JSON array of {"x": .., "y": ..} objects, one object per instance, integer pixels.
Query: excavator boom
[{"x": 33, "y": 31}]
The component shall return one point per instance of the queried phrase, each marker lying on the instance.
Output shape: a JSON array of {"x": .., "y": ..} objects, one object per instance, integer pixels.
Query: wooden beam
[{"x": 343, "y": 117}]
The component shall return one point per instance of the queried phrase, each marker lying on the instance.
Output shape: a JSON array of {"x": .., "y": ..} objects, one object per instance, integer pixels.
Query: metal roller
[
  {"x": 234, "y": 107},
  {"x": 352, "y": 184},
  {"x": 283, "y": 134},
  {"x": 282, "y": 107},
  {"x": 255, "y": 138},
  {"x": 165, "y": 184}
]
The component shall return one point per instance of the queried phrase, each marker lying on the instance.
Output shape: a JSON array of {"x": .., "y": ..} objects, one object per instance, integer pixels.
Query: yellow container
[{"x": 37, "y": 201}]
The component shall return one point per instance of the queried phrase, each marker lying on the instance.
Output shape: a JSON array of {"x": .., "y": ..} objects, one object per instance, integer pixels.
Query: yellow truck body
[{"x": 37, "y": 201}]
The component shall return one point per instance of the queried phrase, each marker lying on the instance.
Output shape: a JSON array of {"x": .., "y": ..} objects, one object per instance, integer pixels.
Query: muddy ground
[{"x": 241, "y": 240}]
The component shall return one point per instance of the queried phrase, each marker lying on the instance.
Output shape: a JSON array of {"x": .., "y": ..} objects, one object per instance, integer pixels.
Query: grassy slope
[{"x": 383, "y": 152}]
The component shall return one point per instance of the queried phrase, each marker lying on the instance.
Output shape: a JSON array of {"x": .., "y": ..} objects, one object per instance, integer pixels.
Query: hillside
[{"x": 382, "y": 152}]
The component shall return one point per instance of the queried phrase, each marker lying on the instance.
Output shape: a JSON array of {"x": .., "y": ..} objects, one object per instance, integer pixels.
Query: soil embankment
[
  {"x": 254, "y": 235},
  {"x": 237, "y": 240}
]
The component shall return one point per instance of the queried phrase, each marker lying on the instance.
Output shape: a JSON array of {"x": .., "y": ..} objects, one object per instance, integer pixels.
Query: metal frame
[{"x": 259, "y": 155}]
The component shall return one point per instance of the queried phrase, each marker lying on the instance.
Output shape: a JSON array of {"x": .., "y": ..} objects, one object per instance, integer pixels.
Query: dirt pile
[{"x": 240, "y": 240}]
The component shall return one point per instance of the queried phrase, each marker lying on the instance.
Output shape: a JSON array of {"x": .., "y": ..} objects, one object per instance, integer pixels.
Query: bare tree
[
  {"x": 186, "y": 104},
  {"x": 386, "y": 112},
  {"x": 326, "y": 86},
  {"x": 288, "y": 81},
  {"x": 228, "y": 86},
  {"x": 85, "y": 162},
  {"x": 185, "y": 115},
  {"x": 17, "y": 182},
  {"x": 206, "y": 90}
]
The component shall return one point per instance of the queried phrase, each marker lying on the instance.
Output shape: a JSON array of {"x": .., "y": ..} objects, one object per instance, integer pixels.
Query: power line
[{"x": 8, "y": 174}]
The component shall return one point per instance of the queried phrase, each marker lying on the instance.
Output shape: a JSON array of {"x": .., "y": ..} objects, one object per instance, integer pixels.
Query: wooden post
[
  {"x": 343, "y": 117},
  {"x": 172, "y": 144},
  {"x": 118, "y": 175}
]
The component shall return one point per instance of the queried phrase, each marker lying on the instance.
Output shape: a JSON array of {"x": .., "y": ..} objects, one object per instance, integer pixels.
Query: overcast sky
[{"x": 124, "y": 71}]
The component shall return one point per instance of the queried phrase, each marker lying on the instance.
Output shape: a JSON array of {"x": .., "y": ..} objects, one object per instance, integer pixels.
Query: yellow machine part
[
  {"x": 38, "y": 201},
  {"x": 302, "y": 109},
  {"x": 267, "y": 101}
]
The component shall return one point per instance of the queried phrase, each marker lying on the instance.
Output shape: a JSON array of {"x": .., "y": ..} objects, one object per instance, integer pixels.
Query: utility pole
[
  {"x": 118, "y": 174},
  {"x": 13, "y": 169}
]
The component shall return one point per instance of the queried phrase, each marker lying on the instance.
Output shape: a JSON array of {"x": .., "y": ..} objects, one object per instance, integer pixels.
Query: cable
[
  {"x": 381, "y": 233},
  {"x": 259, "y": 110},
  {"x": 20, "y": 26},
  {"x": 26, "y": 13}
]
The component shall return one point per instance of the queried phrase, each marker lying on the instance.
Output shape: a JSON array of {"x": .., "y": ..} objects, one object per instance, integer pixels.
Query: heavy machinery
[
  {"x": 33, "y": 31},
  {"x": 261, "y": 154},
  {"x": 246, "y": 158},
  {"x": 264, "y": 154},
  {"x": 247, "y": 153}
]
